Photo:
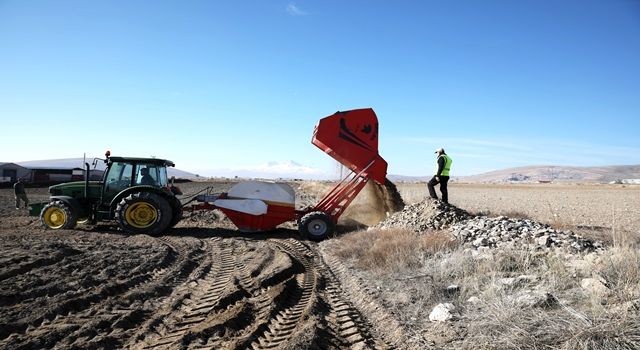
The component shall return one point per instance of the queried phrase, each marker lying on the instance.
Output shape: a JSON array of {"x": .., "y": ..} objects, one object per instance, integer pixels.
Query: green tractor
[{"x": 134, "y": 191}]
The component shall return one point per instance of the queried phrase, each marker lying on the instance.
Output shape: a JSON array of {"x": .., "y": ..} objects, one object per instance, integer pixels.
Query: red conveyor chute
[{"x": 351, "y": 138}]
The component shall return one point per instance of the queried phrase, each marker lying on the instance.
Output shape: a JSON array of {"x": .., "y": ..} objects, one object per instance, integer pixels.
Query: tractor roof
[{"x": 155, "y": 161}]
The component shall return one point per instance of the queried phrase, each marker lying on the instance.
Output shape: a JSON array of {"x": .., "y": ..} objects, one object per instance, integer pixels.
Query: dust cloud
[{"x": 373, "y": 205}]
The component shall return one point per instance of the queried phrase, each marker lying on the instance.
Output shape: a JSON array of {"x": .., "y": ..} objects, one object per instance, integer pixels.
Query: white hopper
[
  {"x": 270, "y": 192},
  {"x": 248, "y": 206}
]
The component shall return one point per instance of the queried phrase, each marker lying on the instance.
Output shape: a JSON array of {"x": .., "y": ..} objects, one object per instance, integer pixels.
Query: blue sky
[{"x": 233, "y": 84}]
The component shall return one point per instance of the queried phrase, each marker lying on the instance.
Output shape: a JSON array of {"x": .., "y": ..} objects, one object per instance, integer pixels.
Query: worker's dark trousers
[{"x": 443, "y": 187}]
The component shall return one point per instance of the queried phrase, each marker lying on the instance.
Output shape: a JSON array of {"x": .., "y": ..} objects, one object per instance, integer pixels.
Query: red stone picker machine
[{"x": 351, "y": 138}]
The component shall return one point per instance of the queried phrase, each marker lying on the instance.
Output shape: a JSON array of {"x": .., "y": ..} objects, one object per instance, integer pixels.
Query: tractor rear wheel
[
  {"x": 176, "y": 205},
  {"x": 58, "y": 215},
  {"x": 316, "y": 226},
  {"x": 143, "y": 212}
]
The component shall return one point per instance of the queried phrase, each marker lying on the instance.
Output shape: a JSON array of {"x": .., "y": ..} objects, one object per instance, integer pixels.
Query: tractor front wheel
[
  {"x": 316, "y": 226},
  {"x": 143, "y": 212},
  {"x": 57, "y": 215}
]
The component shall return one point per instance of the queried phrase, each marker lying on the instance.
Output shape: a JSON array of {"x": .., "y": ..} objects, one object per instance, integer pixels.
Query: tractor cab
[{"x": 123, "y": 173}]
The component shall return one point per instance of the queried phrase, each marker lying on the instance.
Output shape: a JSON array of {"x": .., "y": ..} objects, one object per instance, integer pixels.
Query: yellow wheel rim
[
  {"x": 55, "y": 217},
  {"x": 141, "y": 215},
  {"x": 83, "y": 220}
]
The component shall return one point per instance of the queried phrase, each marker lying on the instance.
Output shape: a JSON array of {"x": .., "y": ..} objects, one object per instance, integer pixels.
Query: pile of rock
[
  {"x": 481, "y": 231},
  {"x": 426, "y": 215}
]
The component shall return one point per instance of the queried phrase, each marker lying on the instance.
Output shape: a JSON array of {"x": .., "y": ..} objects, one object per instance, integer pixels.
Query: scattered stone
[
  {"x": 544, "y": 240},
  {"x": 430, "y": 214},
  {"x": 503, "y": 232},
  {"x": 473, "y": 300},
  {"x": 534, "y": 299},
  {"x": 480, "y": 242},
  {"x": 628, "y": 306},
  {"x": 595, "y": 286},
  {"x": 452, "y": 289},
  {"x": 442, "y": 312},
  {"x": 508, "y": 282},
  {"x": 527, "y": 279}
]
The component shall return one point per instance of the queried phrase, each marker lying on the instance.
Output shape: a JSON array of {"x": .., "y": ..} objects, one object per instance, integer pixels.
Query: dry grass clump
[
  {"x": 394, "y": 249},
  {"x": 620, "y": 268},
  {"x": 572, "y": 318},
  {"x": 414, "y": 273},
  {"x": 506, "y": 327}
]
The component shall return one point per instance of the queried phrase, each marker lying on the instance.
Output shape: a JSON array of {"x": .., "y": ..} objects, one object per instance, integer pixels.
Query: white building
[{"x": 10, "y": 172}]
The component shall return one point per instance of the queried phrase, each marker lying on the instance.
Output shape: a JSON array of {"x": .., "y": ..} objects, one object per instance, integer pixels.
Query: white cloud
[{"x": 294, "y": 10}]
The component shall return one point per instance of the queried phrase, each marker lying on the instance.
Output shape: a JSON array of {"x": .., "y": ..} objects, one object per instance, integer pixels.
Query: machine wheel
[
  {"x": 143, "y": 212},
  {"x": 176, "y": 205},
  {"x": 58, "y": 215},
  {"x": 316, "y": 226},
  {"x": 83, "y": 221}
]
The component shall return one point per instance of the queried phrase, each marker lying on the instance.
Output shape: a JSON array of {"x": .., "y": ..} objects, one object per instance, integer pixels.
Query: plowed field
[{"x": 202, "y": 285}]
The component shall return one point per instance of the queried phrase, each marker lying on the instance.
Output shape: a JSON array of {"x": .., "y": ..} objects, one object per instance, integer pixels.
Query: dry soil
[{"x": 205, "y": 285}]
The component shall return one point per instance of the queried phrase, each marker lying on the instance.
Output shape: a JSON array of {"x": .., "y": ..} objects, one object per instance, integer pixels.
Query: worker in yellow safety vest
[{"x": 441, "y": 177}]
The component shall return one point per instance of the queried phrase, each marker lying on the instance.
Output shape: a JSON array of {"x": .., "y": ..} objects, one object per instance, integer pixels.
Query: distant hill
[
  {"x": 291, "y": 170},
  {"x": 78, "y": 163},
  {"x": 544, "y": 173},
  {"x": 406, "y": 178}
]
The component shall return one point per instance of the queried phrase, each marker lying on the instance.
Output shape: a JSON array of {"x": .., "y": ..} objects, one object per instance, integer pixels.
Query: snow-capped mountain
[{"x": 275, "y": 169}]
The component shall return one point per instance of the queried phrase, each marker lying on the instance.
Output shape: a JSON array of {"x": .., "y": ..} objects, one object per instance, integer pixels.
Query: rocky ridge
[
  {"x": 482, "y": 231},
  {"x": 501, "y": 231}
]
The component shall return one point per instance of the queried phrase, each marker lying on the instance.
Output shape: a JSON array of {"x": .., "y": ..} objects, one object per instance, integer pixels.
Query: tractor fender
[
  {"x": 78, "y": 208},
  {"x": 136, "y": 189}
]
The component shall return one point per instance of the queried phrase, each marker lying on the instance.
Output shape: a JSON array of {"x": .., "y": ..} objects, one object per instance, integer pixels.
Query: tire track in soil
[
  {"x": 341, "y": 325},
  {"x": 31, "y": 263},
  {"x": 190, "y": 252},
  {"x": 207, "y": 292},
  {"x": 214, "y": 293},
  {"x": 248, "y": 307},
  {"x": 344, "y": 322},
  {"x": 363, "y": 299},
  {"x": 298, "y": 303},
  {"x": 163, "y": 310},
  {"x": 104, "y": 316}
]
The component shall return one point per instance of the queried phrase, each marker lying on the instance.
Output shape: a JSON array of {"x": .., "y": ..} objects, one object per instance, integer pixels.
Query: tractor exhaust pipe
[{"x": 86, "y": 180}]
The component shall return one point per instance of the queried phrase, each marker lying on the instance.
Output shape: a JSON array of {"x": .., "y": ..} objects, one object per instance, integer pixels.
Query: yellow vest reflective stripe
[{"x": 447, "y": 165}]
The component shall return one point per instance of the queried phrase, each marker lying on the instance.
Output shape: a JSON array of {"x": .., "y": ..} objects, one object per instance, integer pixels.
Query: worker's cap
[{"x": 439, "y": 150}]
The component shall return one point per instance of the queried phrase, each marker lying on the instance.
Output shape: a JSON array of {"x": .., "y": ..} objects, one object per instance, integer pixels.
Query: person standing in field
[
  {"x": 441, "y": 177},
  {"x": 18, "y": 189}
]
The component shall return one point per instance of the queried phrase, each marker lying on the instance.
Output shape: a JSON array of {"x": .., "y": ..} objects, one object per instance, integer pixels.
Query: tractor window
[
  {"x": 163, "y": 176},
  {"x": 120, "y": 172},
  {"x": 118, "y": 178},
  {"x": 151, "y": 175}
]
